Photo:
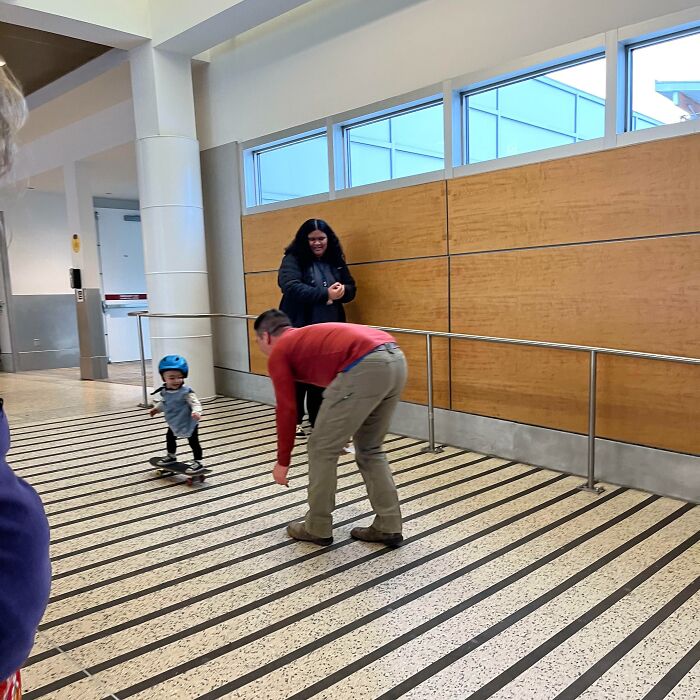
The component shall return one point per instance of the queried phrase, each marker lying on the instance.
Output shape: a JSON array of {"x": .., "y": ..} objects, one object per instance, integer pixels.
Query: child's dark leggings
[{"x": 193, "y": 439}]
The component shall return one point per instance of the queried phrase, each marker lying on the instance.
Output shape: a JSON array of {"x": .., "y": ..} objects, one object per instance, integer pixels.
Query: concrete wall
[
  {"x": 328, "y": 57},
  {"x": 41, "y": 306},
  {"x": 222, "y": 222},
  {"x": 38, "y": 243}
]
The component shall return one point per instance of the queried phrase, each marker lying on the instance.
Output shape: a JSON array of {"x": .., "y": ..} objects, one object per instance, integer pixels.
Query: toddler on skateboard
[{"x": 182, "y": 410}]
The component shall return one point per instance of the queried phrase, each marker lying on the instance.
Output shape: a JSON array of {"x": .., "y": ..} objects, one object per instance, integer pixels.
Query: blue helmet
[{"x": 173, "y": 362}]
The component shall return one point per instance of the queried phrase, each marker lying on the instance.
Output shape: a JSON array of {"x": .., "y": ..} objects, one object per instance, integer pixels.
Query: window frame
[
  {"x": 252, "y": 172},
  {"x": 629, "y": 47},
  {"x": 345, "y": 127},
  {"x": 465, "y": 93}
]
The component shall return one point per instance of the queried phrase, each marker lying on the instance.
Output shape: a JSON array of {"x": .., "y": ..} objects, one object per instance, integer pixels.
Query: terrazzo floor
[{"x": 512, "y": 583}]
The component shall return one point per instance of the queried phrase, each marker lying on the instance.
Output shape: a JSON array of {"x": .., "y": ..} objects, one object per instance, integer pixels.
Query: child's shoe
[
  {"x": 165, "y": 461},
  {"x": 193, "y": 467}
]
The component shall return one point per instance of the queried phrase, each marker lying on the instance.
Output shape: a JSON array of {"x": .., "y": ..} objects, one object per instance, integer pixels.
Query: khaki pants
[{"x": 359, "y": 403}]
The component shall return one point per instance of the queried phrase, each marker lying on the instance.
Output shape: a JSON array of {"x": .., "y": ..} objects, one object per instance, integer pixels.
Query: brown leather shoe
[
  {"x": 297, "y": 531},
  {"x": 369, "y": 534}
]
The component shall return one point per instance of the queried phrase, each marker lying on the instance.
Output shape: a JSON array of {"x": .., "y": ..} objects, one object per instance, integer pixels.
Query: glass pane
[
  {"x": 562, "y": 106},
  {"x": 369, "y": 163},
  {"x": 516, "y": 137},
  {"x": 378, "y": 131},
  {"x": 486, "y": 100},
  {"x": 407, "y": 163},
  {"x": 295, "y": 170},
  {"x": 483, "y": 136},
  {"x": 541, "y": 102},
  {"x": 398, "y": 146},
  {"x": 666, "y": 82},
  {"x": 422, "y": 129},
  {"x": 591, "y": 118}
]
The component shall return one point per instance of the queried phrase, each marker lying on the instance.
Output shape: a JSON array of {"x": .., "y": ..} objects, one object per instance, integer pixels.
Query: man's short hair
[{"x": 272, "y": 321}]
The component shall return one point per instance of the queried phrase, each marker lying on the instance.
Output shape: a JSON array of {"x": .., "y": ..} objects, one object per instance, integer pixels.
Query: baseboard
[
  {"x": 7, "y": 362},
  {"x": 47, "y": 359}
]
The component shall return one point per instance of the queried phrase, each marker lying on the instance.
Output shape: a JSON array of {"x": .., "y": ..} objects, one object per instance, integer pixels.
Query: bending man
[{"x": 364, "y": 372}]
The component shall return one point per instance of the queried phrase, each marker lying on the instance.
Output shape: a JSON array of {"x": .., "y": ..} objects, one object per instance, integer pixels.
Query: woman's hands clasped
[{"x": 335, "y": 291}]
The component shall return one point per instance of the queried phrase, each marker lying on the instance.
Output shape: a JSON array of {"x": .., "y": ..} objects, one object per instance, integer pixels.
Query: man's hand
[
  {"x": 196, "y": 416},
  {"x": 279, "y": 474}
]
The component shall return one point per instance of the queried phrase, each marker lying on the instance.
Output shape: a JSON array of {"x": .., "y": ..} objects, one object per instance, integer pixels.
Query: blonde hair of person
[{"x": 13, "y": 112}]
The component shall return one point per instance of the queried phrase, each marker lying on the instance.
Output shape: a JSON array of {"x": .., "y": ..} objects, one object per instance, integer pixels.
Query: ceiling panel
[{"x": 38, "y": 58}]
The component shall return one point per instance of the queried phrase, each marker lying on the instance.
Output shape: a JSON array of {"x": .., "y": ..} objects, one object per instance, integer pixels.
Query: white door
[{"x": 123, "y": 282}]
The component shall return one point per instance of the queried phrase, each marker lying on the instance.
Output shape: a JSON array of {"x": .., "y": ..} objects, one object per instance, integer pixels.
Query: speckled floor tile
[
  {"x": 189, "y": 546},
  {"x": 640, "y": 669},
  {"x": 251, "y": 592},
  {"x": 222, "y": 520},
  {"x": 169, "y": 596},
  {"x": 82, "y": 494},
  {"x": 86, "y": 689},
  {"x": 484, "y": 663},
  {"x": 196, "y": 502},
  {"x": 240, "y": 626},
  {"x": 572, "y": 658},
  {"x": 42, "y": 642},
  {"x": 687, "y": 688},
  {"x": 31, "y": 397},
  {"x": 39, "y": 675},
  {"x": 326, "y": 621},
  {"x": 412, "y": 656}
]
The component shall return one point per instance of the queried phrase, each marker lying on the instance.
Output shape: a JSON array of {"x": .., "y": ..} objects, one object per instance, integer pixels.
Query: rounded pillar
[{"x": 172, "y": 221}]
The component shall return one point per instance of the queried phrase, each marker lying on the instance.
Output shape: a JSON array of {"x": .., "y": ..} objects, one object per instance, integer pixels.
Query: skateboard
[{"x": 179, "y": 468}]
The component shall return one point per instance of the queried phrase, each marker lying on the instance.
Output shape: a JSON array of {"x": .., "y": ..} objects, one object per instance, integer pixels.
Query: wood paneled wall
[
  {"x": 601, "y": 249},
  {"x": 643, "y": 190},
  {"x": 413, "y": 290},
  {"x": 261, "y": 293},
  {"x": 392, "y": 225},
  {"x": 411, "y": 294},
  {"x": 635, "y": 294}
]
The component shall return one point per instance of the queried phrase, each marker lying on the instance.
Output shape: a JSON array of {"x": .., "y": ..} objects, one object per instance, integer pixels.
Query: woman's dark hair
[{"x": 301, "y": 249}]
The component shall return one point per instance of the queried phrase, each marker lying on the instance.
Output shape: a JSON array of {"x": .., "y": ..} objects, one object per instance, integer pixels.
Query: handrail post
[
  {"x": 431, "y": 413},
  {"x": 145, "y": 403},
  {"x": 592, "y": 379}
]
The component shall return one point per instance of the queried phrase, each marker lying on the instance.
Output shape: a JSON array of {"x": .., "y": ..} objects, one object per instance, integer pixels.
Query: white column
[
  {"x": 170, "y": 190},
  {"x": 85, "y": 257}
]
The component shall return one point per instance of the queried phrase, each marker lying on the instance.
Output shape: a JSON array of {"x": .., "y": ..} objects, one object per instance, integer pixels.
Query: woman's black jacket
[{"x": 302, "y": 296}]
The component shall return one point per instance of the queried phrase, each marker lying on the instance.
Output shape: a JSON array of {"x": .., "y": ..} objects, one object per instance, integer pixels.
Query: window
[
  {"x": 406, "y": 143},
  {"x": 664, "y": 81},
  {"x": 289, "y": 170},
  {"x": 561, "y": 106}
]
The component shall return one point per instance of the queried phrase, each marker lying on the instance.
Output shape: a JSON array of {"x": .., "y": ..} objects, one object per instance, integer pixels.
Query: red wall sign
[{"x": 124, "y": 297}]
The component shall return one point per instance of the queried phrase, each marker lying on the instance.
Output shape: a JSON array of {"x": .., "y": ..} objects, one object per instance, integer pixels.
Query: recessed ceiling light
[
  {"x": 31, "y": 188},
  {"x": 3, "y": 62},
  {"x": 106, "y": 193}
]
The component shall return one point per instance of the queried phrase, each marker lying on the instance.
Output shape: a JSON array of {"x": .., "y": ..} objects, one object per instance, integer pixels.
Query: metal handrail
[{"x": 594, "y": 351}]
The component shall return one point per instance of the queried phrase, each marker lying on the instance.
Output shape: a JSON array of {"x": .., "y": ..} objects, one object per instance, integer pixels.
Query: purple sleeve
[{"x": 25, "y": 570}]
